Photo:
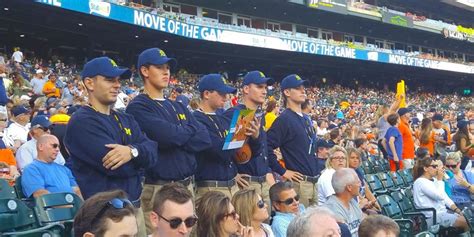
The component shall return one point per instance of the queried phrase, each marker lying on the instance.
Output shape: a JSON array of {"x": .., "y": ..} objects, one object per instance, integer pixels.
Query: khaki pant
[
  {"x": 228, "y": 191},
  {"x": 308, "y": 193},
  {"x": 408, "y": 163},
  {"x": 147, "y": 198},
  {"x": 141, "y": 223}
]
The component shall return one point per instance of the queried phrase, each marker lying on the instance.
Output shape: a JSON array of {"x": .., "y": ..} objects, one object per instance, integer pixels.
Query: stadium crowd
[{"x": 144, "y": 149}]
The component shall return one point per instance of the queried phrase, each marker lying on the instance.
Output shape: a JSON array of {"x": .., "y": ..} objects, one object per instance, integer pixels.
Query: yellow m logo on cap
[
  {"x": 223, "y": 80},
  {"x": 261, "y": 74},
  {"x": 297, "y": 77},
  {"x": 162, "y": 53},
  {"x": 113, "y": 63}
]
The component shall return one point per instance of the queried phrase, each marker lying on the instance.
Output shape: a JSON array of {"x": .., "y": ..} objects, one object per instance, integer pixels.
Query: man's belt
[
  {"x": 187, "y": 181},
  {"x": 311, "y": 179},
  {"x": 258, "y": 179},
  {"x": 215, "y": 183}
]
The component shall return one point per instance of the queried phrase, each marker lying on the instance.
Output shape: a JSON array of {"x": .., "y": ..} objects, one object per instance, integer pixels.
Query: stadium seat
[
  {"x": 407, "y": 176},
  {"x": 16, "y": 219},
  {"x": 6, "y": 191},
  {"x": 58, "y": 207},
  {"x": 391, "y": 209},
  {"x": 399, "y": 181},
  {"x": 387, "y": 181},
  {"x": 410, "y": 212},
  {"x": 375, "y": 184},
  {"x": 20, "y": 195},
  {"x": 367, "y": 167}
]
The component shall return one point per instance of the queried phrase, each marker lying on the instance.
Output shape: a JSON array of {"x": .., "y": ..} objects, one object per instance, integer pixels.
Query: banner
[
  {"x": 457, "y": 35},
  {"x": 194, "y": 29},
  {"x": 394, "y": 19},
  {"x": 336, "y": 6}
]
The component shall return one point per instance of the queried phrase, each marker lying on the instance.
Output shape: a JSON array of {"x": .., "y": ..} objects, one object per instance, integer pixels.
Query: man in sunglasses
[
  {"x": 106, "y": 214},
  {"x": 43, "y": 175},
  {"x": 285, "y": 203},
  {"x": 27, "y": 152},
  {"x": 173, "y": 212}
]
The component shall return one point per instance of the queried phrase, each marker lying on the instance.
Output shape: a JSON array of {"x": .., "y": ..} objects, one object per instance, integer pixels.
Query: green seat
[
  {"x": 407, "y": 176},
  {"x": 6, "y": 191},
  {"x": 19, "y": 189},
  {"x": 16, "y": 219},
  {"x": 398, "y": 180},
  {"x": 410, "y": 212},
  {"x": 391, "y": 209},
  {"x": 387, "y": 181},
  {"x": 375, "y": 184},
  {"x": 58, "y": 208},
  {"x": 378, "y": 166},
  {"x": 367, "y": 167}
]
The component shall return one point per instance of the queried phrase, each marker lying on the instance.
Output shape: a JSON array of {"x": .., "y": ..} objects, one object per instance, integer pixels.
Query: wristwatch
[{"x": 133, "y": 151}]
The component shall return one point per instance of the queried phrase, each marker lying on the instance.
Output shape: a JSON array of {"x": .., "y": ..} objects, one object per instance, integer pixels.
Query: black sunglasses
[
  {"x": 117, "y": 203},
  {"x": 451, "y": 166},
  {"x": 55, "y": 145},
  {"x": 260, "y": 204},
  {"x": 176, "y": 222},
  {"x": 290, "y": 201},
  {"x": 434, "y": 166},
  {"x": 232, "y": 214}
]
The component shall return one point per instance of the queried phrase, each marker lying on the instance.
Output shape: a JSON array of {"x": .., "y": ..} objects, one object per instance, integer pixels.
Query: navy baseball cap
[
  {"x": 322, "y": 143},
  {"x": 438, "y": 117},
  {"x": 106, "y": 67},
  {"x": 18, "y": 110},
  {"x": 403, "y": 111},
  {"x": 215, "y": 82},
  {"x": 155, "y": 56},
  {"x": 40, "y": 121},
  {"x": 257, "y": 77},
  {"x": 292, "y": 81}
]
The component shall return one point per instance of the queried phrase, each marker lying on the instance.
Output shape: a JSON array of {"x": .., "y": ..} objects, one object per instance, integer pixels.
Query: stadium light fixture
[
  {"x": 166, "y": 41},
  {"x": 6, "y": 9},
  {"x": 22, "y": 36},
  {"x": 79, "y": 24},
  {"x": 136, "y": 36},
  {"x": 254, "y": 8}
]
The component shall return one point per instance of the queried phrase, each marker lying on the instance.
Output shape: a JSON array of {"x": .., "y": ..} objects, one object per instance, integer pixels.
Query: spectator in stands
[
  {"x": 286, "y": 204},
  {"x": 50, "y": 89},
  {"x": 17, "y": 133},
  {"x": 314, "y": 222},
  {"x": 107, "y": 148},
  {"x": 271, "y": 113},
  {"x": 43, "y": 175},
  {"x": 362, "y": 146},
  {"x": 38, "y": 82},
  {"x": 408, "y": 148},
  {"x": 27, "y": 152},
  {"x": 322, "y": 127},
  {"x": 17, "y": 56},
  {"x": 180, "y": 97},
  {"x": 371, "y": 206},
  {"x": 334, "y": 136},
  {"x": 69, "y": 92},
  {"x": 218, "y": 218},
  {"x": 294, "y": 134},
  {"x": 460, "y": 182},
  {"x": 173, "y": 212},
  {"x": 346, "y": 186},
  {"x": 19, "y": 85},
  {"x": 178, "y": 134},
  {"x": 322, "y": 154},
  {"x": 216, "y": 169},
  {"x": 422, "y": 152},
  {"x": 442, "y": 137},
  {"x": 253, "y": 211},
  {"x": 383, "y": 125},
  {"x": 337, "y": 160},
  {"x": 430, "y": 193},
  {"x": 394, "y": 143},
  {"x": 3, "y": 94},
  {"x": 426, "y": 135},
  {"x": 256, "y": 173},
  {"x": 463, "y": 143},
  {"x": 3, "y": 126},
  {"x": 7, "y": 159},
  {"x": 378, "y": 226},
  {"x": 106, "y": 214}
]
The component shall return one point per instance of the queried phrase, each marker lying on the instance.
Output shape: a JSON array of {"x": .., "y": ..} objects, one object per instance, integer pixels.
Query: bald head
[
  {"x": 314, "y": 222},
  {"x": 48, "y": 148}
]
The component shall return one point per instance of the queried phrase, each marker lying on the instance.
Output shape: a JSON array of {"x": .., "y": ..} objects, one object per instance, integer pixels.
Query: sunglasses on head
[
  {"x": 233, "y": 214},
  {"x": 260, "y": 204},
  {"x": 117, "y": 203},
  {"x": 451, "y": 166},
  {"x": 290, "y": 201},
  {"x": 176, "y": 222}
]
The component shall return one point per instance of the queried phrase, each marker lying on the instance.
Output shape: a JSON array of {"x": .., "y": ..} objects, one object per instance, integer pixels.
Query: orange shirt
[
  {"x": 48, "y": 86},
  {"x": 431, "y": 143},
  {"x": 408, "y": 148},
  {"x": 6, "y": 156}
]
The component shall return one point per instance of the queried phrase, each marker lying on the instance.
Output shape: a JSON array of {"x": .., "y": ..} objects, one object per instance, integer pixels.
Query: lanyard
[
  {"x": 219, "y": 130},
  {"x": 117, "y": 119},
  {"x": 163, "y": 107}
]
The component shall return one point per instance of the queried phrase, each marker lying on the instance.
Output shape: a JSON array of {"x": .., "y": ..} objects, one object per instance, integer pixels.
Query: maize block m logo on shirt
[
  {"x": 127, "y": 131},
  {"x": 182, "y": 116}
]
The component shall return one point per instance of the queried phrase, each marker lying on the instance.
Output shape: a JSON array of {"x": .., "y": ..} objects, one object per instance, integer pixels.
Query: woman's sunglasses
[
  {"x": 260, "y": 204},
  {"x": 176, "y": 222},
  {"x": 451, "y": 166},
  {"x": 290, "y": 201},
  {"x": 232, "y": 214}
]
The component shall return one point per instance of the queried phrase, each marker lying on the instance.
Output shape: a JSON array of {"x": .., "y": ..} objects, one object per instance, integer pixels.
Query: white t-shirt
[
  {"x": 428, "y": 194},
  {"x": 15, "y": 132},
  {"x": 17, "y": 56},
  {"x": 325, "y": 189}
]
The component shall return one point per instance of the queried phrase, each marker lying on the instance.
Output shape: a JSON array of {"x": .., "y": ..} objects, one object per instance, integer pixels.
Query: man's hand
[
  {"x": 254, "y": 129},
  {"x": 118, "y": 156},
  {"x": 293, "y": 176},
  {"x": 241, "y": 181}
]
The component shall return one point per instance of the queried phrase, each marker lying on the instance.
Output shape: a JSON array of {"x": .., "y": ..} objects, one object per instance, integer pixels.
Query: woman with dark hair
[
  {"x": 218, "y": 218},
  {"x": 426, "y": 135},
  {"x": 429, "y": 192},
  {"x": 19, "y": 85},
  {"x": 463, "y": 143}
]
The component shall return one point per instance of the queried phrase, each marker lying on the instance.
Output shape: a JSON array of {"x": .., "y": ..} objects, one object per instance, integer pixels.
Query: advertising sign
[
  {"x": 457, "y": 35},
  {"x": 394, "y": 19},
  {"x": 337, "y": 6}
]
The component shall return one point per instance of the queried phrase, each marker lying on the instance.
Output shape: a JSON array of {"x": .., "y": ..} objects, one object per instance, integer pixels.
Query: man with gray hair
[
  {"x": 346, "y": 185},
  {"x": 314, "y": 222}
]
